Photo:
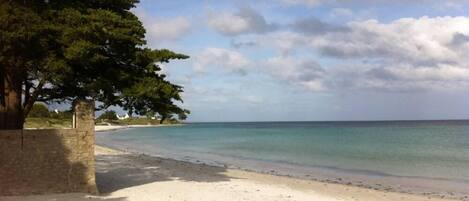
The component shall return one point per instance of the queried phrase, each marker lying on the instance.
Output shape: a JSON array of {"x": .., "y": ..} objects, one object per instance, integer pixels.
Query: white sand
[
  {"x": 117, "y": 127},
  {"x": 130, "y": 177}
]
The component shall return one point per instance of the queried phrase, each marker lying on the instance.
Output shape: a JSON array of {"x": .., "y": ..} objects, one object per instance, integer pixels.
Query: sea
[{"x": 424, "y": 157}]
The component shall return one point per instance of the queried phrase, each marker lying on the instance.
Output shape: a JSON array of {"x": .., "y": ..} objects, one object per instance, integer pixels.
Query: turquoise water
[{"x": 419, "y": 149}]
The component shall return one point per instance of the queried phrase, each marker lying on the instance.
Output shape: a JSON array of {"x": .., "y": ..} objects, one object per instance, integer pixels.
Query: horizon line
[{"x": 287, "y": 121}]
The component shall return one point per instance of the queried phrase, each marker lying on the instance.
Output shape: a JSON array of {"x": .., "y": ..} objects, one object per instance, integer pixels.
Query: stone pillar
[
  {"x": 83, "y": 116},
  {"x": 83, "y": 123}
]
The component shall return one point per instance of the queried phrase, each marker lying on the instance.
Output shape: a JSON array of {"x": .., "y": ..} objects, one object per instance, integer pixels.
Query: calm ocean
[{"x": 422, "y": 156}]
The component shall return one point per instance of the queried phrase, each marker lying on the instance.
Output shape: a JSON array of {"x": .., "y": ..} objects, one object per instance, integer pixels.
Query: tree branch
[
  {"x": 27, "y": 91},
  {"x": 33, "y": 97}
]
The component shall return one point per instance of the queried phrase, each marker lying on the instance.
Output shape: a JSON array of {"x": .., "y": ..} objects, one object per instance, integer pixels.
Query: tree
[
  {"x": 79, "y": 49},
  {"x": 39, "y": 110},
  {"x": 108, "y": 115},
  {"x": 68, "y": 114}
]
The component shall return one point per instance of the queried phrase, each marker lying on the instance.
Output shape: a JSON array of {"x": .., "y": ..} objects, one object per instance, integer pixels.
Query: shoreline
[
  {"x": 324, "y": 190},
  {"x": 422, "y": 186},
  {"x": 331, "y": 178},
  {"x": 127, "y": 176},
  {"x": 106, "y": 128},
  {"x": 335, "y": 181}
]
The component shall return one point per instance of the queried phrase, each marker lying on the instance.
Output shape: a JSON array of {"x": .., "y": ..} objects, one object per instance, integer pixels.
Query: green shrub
[
  {"x": 39, "y": 110},
  {"x": 108, "y": 115},
  {"x": 62, "y": 115}
]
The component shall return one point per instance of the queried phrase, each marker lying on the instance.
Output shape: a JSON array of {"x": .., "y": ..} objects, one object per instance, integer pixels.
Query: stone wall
[{"x": 52, "y": 160}]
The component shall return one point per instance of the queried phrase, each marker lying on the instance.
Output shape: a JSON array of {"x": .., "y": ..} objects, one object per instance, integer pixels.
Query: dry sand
[{"x": 132, "y": 177}]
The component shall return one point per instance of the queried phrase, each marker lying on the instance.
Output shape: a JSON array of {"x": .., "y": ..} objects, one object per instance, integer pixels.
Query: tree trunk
[
  {"x": 162, "y": 119},
  {"x": 11, "y": 115}
]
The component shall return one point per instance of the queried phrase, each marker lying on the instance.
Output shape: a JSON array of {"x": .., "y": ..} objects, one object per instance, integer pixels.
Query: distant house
[{"x": 122, "y": 117}]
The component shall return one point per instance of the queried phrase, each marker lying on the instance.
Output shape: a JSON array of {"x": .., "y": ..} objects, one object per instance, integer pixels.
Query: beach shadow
[
  {"x": 56, "y": 197},
  {"x": 115, "y": 172}
]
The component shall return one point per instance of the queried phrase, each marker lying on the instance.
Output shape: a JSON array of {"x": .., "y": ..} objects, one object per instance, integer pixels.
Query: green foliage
[
  {"x": 48, "y": 123},
  {"x": 39, "y": 110},
  {"x": 41, "y": 117},
  {"x": 62, "y": 115},
  {"x": 108, "y": 115},
  {"x": 139, "y": 121},
  {"x": 87, "y": 49}
]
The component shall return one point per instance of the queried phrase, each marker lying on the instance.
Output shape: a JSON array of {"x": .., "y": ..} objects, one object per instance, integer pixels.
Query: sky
[{"x": 315, "y": 60}]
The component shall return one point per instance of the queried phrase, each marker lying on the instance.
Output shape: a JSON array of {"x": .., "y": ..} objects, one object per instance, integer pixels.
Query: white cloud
[
  {"x": 436, "y": 4},
  {"x": 163, "y": 29},
  {"x": 348, "y": 14},
  {"x": 168, "y": 28},
  {"x": 413, "y": 40},
  {"x": 229, "y": 60},
  {"x": 285, "y": 42},
  {"x": 407, "y": 54},
  {"x": 201, "y": 94},
  {"x": 305, "y": 73},
  {"x": 342, "y": 12},
  {"x": 303, "y": 2},
  {"x": 314, "y": 26},
  {"x": 440, "y": 73},
  {"x": 228, "y": 24},
  {"x": 214, "y": 99},
  {"x": 252, "y": 99},
  {"x": 398, "y": 78},
  {"x": 246, "y": 20},
  {"x": 449, "y": 5}
]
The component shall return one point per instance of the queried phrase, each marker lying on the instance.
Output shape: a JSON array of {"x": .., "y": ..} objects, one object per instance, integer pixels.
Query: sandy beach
[
  {"x": 118, "y": 127},
  {"x": 125, "y": 176},
  {"x": 234, "y": 100}
]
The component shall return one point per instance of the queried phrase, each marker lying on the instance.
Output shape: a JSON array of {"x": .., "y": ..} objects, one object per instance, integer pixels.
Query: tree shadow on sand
[
  {"x": 115, "y": 172},
  {"x": 60, "y": 197}
]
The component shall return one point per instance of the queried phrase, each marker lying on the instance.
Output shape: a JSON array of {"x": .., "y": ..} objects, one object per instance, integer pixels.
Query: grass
[
  {"x": 67, "y": 123},
  {"x": 131, "y": 121},
  {"x": 139, "y": 121},
  {"x": 47, "y": 123}
]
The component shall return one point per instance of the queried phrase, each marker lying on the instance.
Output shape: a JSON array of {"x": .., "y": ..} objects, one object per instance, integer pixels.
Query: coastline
[
  {"x": 331, "y": 189},
  {"x": 423, "y": 186},
  {"x": 328, "y": 178},
  {"x": 293, "y": 188},
  {"x": 118, "y": 127},
  {"x": 126, "y": 176},
  {"x": 131, "y": 176},
  {"x": 329, "y": 181}
]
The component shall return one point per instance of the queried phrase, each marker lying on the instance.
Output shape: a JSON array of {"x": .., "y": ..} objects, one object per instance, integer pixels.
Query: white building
[{"x": 122, "y": 117}]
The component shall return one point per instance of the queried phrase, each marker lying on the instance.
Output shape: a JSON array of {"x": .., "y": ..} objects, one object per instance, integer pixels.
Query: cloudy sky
[{"x": 290, "y": 60}]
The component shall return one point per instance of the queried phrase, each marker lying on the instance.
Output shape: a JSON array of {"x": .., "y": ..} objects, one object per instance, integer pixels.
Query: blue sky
[{"x": 300, "y": 60}]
